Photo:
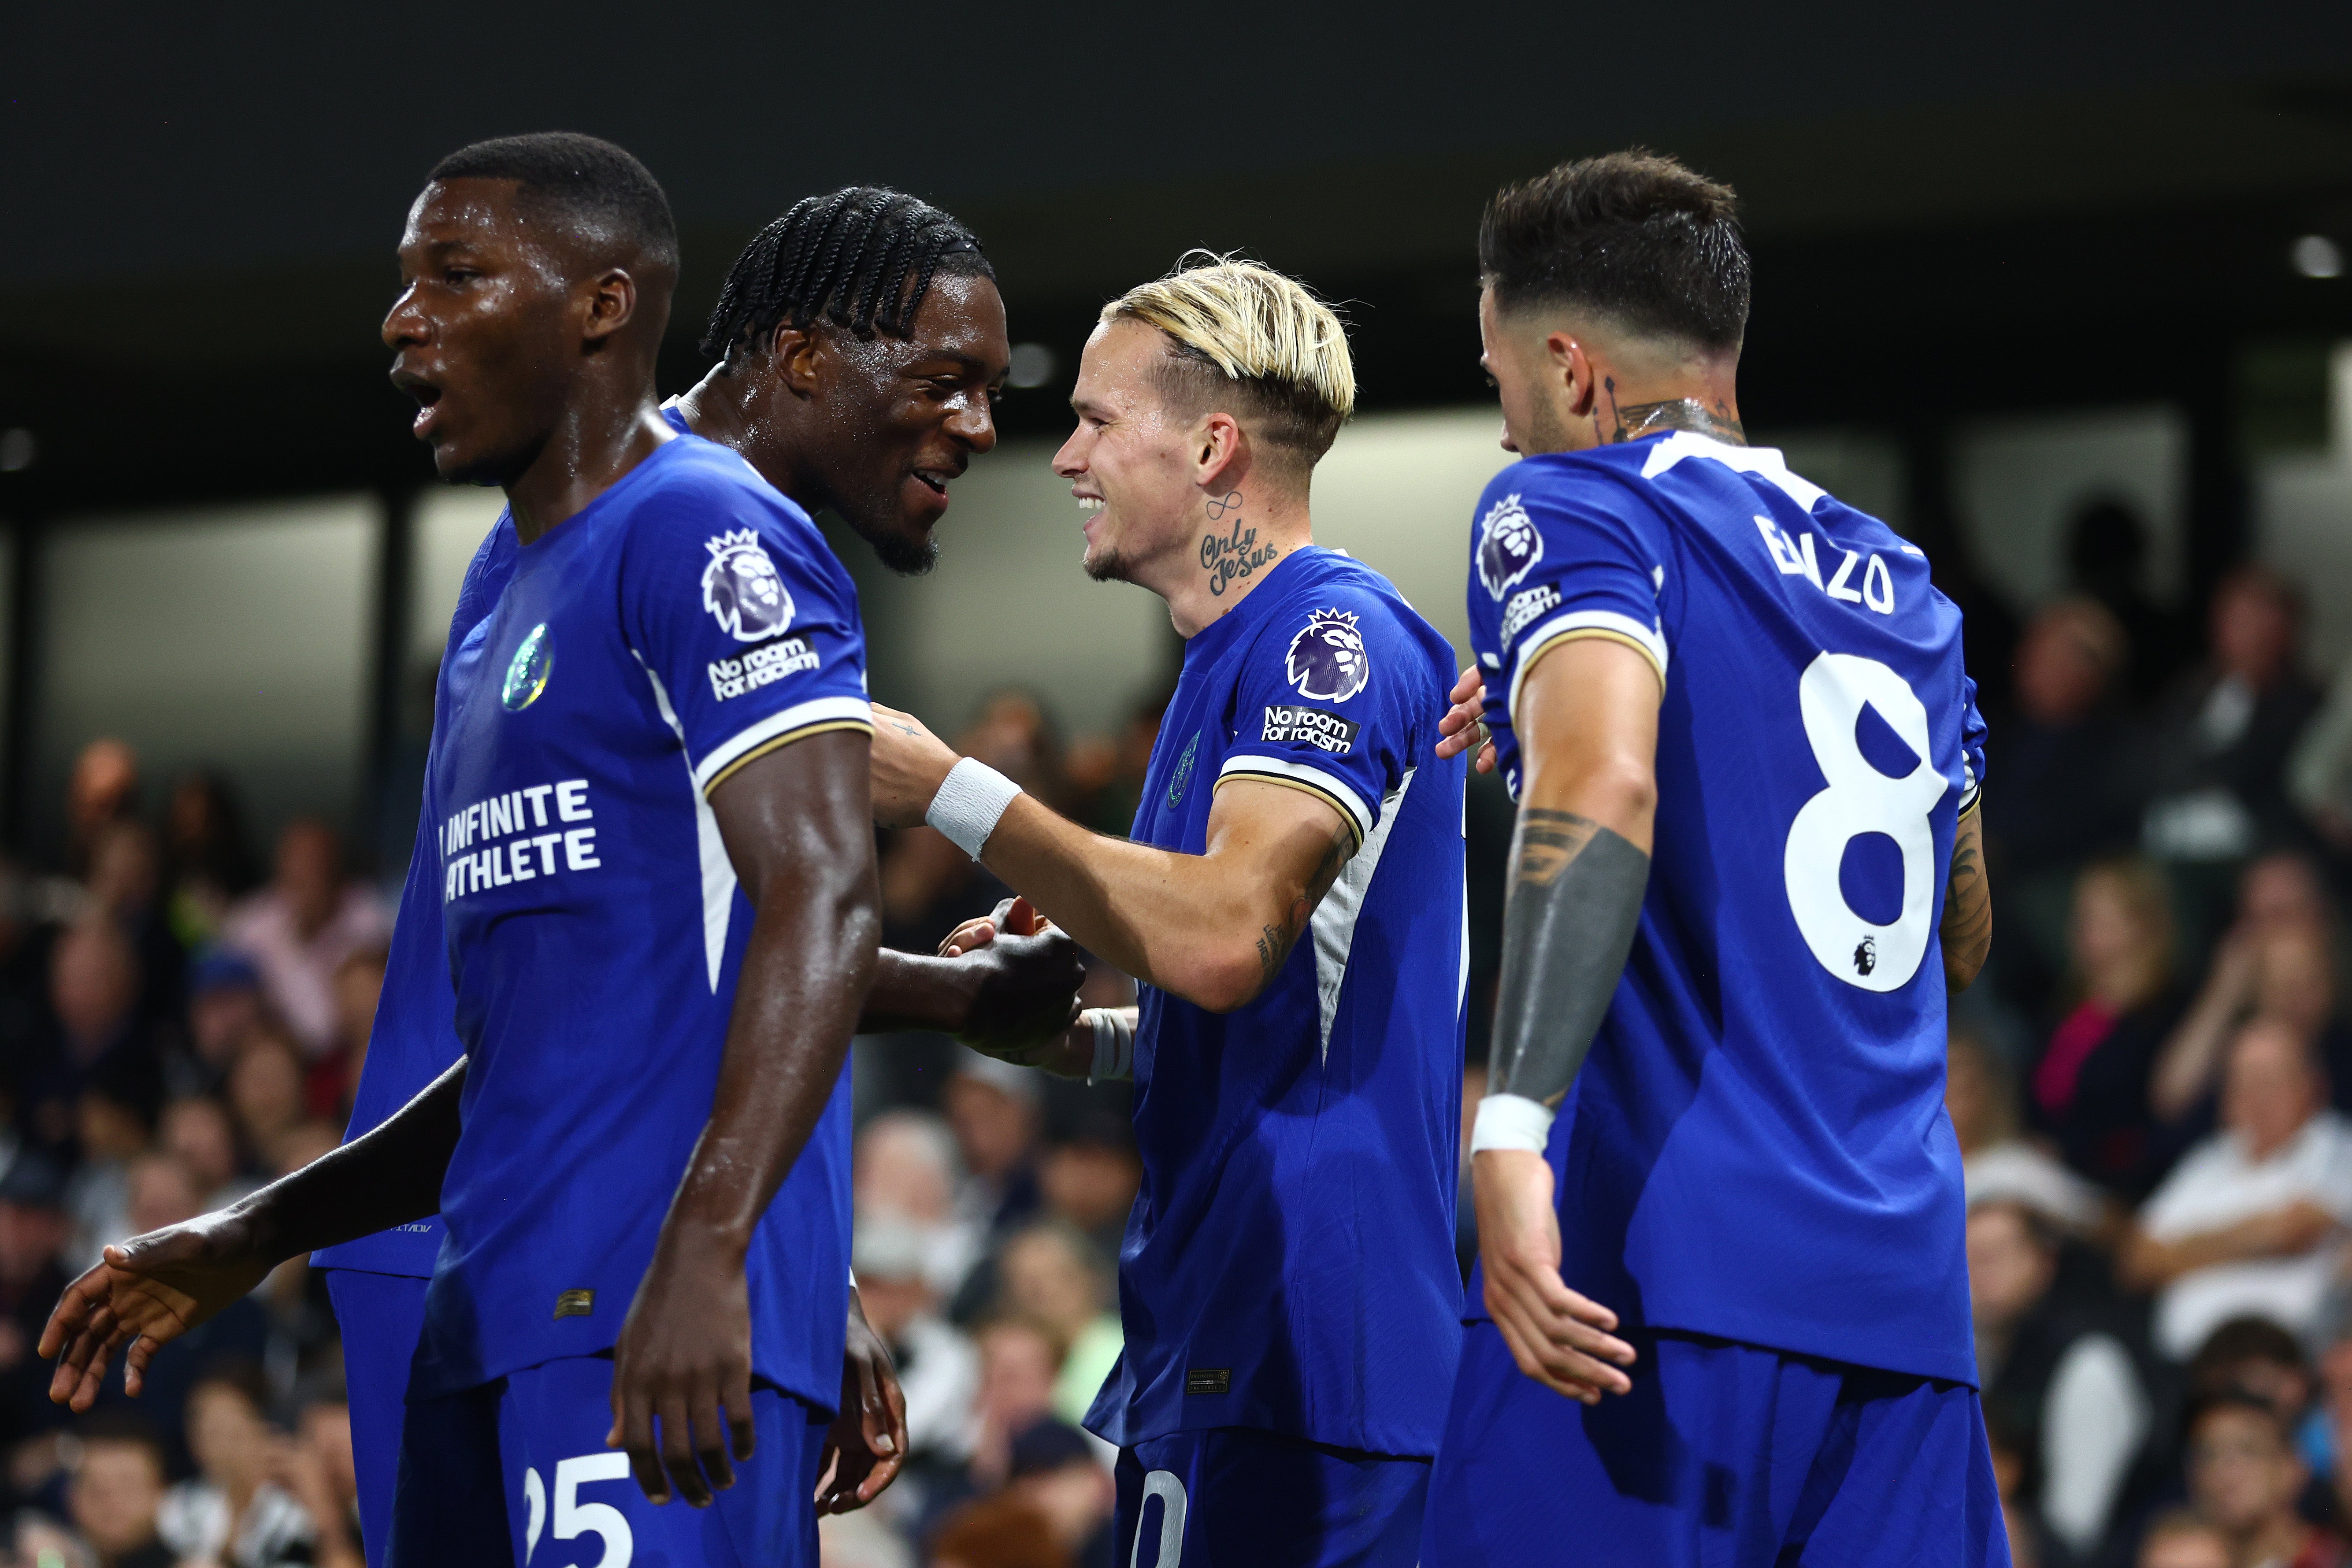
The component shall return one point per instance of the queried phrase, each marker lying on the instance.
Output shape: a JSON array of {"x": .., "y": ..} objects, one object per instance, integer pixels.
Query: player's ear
[
  {"x": 611, "y": 298},
  {"x": 802, "y": 358},
  {"x": 1571, "y": 369},
  {"x": 1220, "y": 451}
]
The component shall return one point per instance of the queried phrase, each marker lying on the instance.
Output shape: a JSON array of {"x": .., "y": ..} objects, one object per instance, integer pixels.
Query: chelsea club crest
[
  {"x": 1183, "y": 774},
  {"x": 742, "y": 588},
  {"x": 527, "y": 672}
]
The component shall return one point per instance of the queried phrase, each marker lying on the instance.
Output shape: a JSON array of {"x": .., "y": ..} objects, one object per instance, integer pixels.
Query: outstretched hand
[
  {"x": 1465, "y": 724},
  {"x": 148, "y": 1292}
]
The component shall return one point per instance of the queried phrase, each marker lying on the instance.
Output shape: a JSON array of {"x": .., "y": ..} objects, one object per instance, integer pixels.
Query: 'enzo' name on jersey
[{"x": 516, "y": 858}]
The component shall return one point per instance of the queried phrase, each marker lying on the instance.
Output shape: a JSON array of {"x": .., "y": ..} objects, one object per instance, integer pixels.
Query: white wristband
[
  {"x": 970, "y": 803},
  {"x": 1114, "y": 1044},
  {"x": 1511, "y": 1122}
]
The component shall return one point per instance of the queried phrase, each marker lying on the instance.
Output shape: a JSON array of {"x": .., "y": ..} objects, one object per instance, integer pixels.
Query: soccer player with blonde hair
[{"x": 1291, "y": 901}]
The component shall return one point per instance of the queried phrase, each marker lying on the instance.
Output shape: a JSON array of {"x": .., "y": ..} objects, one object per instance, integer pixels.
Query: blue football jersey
[
  {"x": 414, "y": 1038},
  {"x": 1289, "y": 1261},
  {"x": 688, "y": 621},
  {"x": 1757, "y": 1146}
]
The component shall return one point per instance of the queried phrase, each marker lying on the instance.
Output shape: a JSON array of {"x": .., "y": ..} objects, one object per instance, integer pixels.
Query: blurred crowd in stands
[{"x": 2150, "y": 1087}]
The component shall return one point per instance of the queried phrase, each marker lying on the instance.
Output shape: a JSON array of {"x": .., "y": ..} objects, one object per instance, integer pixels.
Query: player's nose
[
  {"x": 406, "y": 324},
  {"x": 974, "y": 425}
]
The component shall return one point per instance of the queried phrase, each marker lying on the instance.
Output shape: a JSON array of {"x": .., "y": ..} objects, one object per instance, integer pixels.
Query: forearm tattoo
[{"x": 1575, "y": 899}]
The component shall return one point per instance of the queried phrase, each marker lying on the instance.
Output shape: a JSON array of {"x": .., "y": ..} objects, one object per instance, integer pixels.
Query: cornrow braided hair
[{"x": 862, "y": 258}]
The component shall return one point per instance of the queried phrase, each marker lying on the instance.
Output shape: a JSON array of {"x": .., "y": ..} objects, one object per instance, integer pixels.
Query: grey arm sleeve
[{"x": 1566, "y": 935}]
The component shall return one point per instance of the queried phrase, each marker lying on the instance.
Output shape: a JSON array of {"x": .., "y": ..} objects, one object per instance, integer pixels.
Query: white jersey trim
[
  {"x": 1334, "y": 919},
  {"x": 1343, "y": 794},
  {"x": 1649, "y": 638},
  {"x": 1765, "y": 462},
  {"x": 718, "y": 870},
  {"x": 800, "y": 716}
]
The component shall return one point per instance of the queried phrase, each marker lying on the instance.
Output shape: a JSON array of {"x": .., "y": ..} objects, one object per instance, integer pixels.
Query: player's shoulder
[
  {"x": 1561, "y": 483},
  {"x": 1339, "y": 623},
  {"x": 705, "y": 495}
]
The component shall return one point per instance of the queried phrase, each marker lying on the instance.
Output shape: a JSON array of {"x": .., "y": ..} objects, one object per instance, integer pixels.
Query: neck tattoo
[
  {"x": 1636, "y": 420},
  {"x": 1234, "y": 552}
]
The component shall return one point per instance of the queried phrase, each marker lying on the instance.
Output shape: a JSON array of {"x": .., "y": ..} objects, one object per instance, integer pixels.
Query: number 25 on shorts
[{"x": 575, "y": 1518}]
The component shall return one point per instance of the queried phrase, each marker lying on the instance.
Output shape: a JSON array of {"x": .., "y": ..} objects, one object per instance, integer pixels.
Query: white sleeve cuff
[{"x": 1511, "y": 1122}]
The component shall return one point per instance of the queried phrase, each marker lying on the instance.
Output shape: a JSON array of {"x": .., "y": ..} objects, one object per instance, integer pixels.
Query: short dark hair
[
  {"x": 1630, "y": 235},
  {"x": 2239, "y": 1341},
  {"x": 564, "y": 173},
  {"x": 862, "y": 258},
  {"x": 2203, "y": 1404}
]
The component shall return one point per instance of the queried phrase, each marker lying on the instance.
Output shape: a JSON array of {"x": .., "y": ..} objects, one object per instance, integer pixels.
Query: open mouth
[
  {"x": 934, "y": 480},
  {"x": 428, "y": 394}
]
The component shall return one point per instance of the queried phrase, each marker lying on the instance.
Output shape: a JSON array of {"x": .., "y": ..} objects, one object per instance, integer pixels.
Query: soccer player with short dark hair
[
  {"x": 1292, "y": 902},
  {"x": 1721, "y": 1312},
  {"x": 663, "y": 637}
]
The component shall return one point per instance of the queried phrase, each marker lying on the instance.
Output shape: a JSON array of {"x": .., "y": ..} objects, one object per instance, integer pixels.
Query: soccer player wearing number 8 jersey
[{"x": 1721, "y": 1314}]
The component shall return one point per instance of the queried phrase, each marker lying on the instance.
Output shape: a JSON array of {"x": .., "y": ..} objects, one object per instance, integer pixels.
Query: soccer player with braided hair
[
  {"x": 513, "y": 245},
  {"x": 1291, "y": 899},
  {"x": 1721, "y": 1310}
]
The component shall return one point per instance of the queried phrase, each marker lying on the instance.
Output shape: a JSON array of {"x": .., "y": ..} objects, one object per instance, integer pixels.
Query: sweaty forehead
[{"x": 501, "y": 215}]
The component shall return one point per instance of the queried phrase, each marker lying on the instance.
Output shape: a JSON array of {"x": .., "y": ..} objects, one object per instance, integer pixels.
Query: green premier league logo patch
[{"x": 527, "y": 674}]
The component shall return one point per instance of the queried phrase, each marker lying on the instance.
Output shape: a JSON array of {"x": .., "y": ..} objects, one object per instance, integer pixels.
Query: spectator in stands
[
  {"x": 1088, "y": 1179},
  {"x": 905, "y": 1169},
  {"x": 2178, "y": 1539},
  {"x": 34, "y": 1233},
  {"x": 2256, "y": 1356},
  {"x": 2059, "y": 1369},
  {"x": 225, "y": 1011},
  {"x": 1049, "y": 1271},
  {"x": 2089, "y": 1089},
  {"x": 1996, "y": 1162},
  {"x": 2244, "y": 1477},
  {"x": 233, "y": 1512},
  {"x": 297, "y": 929},
  {"x": 265, "y": 1095},
  {"x": 204, "y": 839},
  {"x": 103, "y": 788},
  {"x": 126, "y": 883},
  {"x": 1058, "y": 1472},
  {"x": 995, "y": 1111},
  {"x": 2107, "y": 561},
  {"x": 359, "y": 985},
  {"x": 115, "y": 1129},
  {"x": 316, "y": 1470},
  {"x": 999, "y": 1532},
  {"x": 2065, "y": 798},
  {"x": 1020, "y": 1359},
  {"x": 116, "y": 1493},
  {"x": 2249, "y": 1220},
  {"x": 199, "y": 1133},
  {"x": 93, "y": 995},
  {"x": 2276, "y": 961},
  {"x": 939, "y": 1370},
  {"x": 2224, "y": 736}
]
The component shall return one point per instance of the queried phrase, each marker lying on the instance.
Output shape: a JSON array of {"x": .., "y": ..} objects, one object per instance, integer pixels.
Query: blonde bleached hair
[{"x": 1245, "y": 338}]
